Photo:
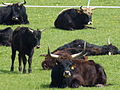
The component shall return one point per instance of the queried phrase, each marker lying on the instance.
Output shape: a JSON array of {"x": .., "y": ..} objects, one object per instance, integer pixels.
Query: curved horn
[
  {"x": 76, "y": 55},
  {"x": 43, "y": 30},
  {"x": 21, "y": 3},
  {"x": 7, "y": 3},
  {"x": 52, "y": 55},
  {"x": 109, "y": 41}
]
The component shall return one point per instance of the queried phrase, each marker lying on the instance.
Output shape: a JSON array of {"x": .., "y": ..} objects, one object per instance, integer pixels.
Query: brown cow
[{"x": 70, "y": 72}]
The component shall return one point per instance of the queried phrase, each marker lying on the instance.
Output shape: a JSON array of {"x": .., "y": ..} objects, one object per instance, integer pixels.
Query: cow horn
[
  {"x": 52, "y": 55},
  {"x": 21, "y": 3},
  {"x": 7, "y": 3},
  {"x": 81, "y": 53},
  {"x": 75, "y": 55},
  {"x": 43, "y": 30},
  {"x": 109, "y": 41}
]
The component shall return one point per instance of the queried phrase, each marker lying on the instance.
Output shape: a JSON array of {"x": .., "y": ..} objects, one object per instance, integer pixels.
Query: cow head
[
  {"x": 66, "y": 67},
  {"x": 112, "y": 49},
  {"x": 87, "y": 11},
  {"x": 37, "y": 36},
  {"x": 16, "y": 10}
]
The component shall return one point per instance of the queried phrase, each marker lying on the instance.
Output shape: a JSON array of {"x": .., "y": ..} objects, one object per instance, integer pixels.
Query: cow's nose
[
  {"x": 15, "y": 18},
  {"x": 67, "y": 74},
  {"x": 38, "y": 46},
  {"x": 90, "y": 22}
]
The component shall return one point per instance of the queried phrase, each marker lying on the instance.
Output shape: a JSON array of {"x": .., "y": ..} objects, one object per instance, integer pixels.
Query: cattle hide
[{"x": 6, "y": 36}]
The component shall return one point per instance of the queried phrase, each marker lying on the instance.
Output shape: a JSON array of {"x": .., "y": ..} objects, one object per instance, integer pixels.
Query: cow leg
[
  {"x": 24, "y": 63},
  {"x": 30, "y": 62},
  {"x": 20, "y": 60},
  {"x": 13, "y": 58}
]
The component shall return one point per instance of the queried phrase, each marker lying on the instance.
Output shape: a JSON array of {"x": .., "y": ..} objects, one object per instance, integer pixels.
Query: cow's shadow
[
  {"x": 8, "y": 72},
  {"x": 44, "y": 86}
]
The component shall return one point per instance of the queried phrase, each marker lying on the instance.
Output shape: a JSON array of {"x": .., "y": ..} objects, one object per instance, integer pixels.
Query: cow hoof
[
  {"x": 29, "y": 71},
  {"x": 20, "y": 69},
  {"x": 24, "y": 71},
  {"x": 12, "y": 69}
]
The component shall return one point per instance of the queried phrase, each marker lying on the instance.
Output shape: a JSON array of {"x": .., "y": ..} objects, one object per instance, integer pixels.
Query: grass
[{"x": 106, "y": 22}]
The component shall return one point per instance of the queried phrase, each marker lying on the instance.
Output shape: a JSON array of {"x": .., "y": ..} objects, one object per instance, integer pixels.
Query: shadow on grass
[
  {"x": 8, "y": 72},
  {"x": 45, "y": 86}
]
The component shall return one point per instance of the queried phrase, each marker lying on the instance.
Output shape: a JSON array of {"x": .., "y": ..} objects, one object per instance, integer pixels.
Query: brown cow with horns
[{"x": 71, "y": 72}]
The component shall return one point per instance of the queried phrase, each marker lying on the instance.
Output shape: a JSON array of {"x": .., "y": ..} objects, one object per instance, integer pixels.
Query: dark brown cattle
[
  {"x": 24, "y": 40},
  {"x": 13, "y": 13},
  {"x": 71, "y": 19},
  {"x": 49, "y": 61},
  {"x": 70, "y": 72}
]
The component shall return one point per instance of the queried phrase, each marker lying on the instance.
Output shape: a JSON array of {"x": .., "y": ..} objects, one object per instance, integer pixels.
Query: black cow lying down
[
  {"x": 13, "y": 13},
  {"x": 74, "y": 73},
  {"x": 71, "y": 19},
  {"x": 24, "y": 40},
  {"x": 91, "y": 49},
  {"x": 6, "y": 36},
  {"x": 77, "y": 46}
]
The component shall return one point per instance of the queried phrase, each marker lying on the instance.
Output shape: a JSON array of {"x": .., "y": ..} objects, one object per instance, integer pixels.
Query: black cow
[
  {"x": 13, "y": 13},
  {"x": 6, "y": 36},
  {"x": 71, "y": 19},
  {"x": 74, "y": 73},
  {"x": 91, "y": 49},
  {"x": 24, "y": 40}
]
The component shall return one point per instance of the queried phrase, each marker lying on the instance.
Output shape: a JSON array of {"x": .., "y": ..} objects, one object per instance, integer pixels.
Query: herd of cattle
[{"x": 69, "y": 63}]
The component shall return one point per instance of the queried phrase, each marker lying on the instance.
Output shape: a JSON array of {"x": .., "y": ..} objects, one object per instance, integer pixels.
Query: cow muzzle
[
  {"x": 67, "y": 74},
  {"x": 37, "y": 46},
  {"x": 90, "y": 22}
]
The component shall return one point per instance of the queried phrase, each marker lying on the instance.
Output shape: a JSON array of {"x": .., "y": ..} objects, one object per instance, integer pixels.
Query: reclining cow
[
  {"x": 71, "y": 19},
  {"x": 13, "y": 13},
  {"x": 77, "y": 46},
  {"x": 71, "y": 72}
]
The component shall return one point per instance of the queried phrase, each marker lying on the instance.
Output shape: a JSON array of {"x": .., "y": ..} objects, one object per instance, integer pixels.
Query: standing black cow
[
  {"x": 71, "y": 19},
  {"x": 6, "y": 36},
  {"x": 74, "y": 73},
  {"x": 24, "y": 40},
  {"x": 14, "y": 13}
]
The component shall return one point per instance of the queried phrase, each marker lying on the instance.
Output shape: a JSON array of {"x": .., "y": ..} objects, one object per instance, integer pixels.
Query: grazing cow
[
  {"x": 24, "y": 40},
  {"x": 71, "y": 19},
  {"x": 74, "y": 73},
  {"x": 6, "y": 36},
  {"x": 13, "y": 13}
]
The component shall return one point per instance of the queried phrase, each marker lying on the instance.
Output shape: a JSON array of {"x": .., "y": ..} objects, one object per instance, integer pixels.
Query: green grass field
[{"x": 107, "y": 25}]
